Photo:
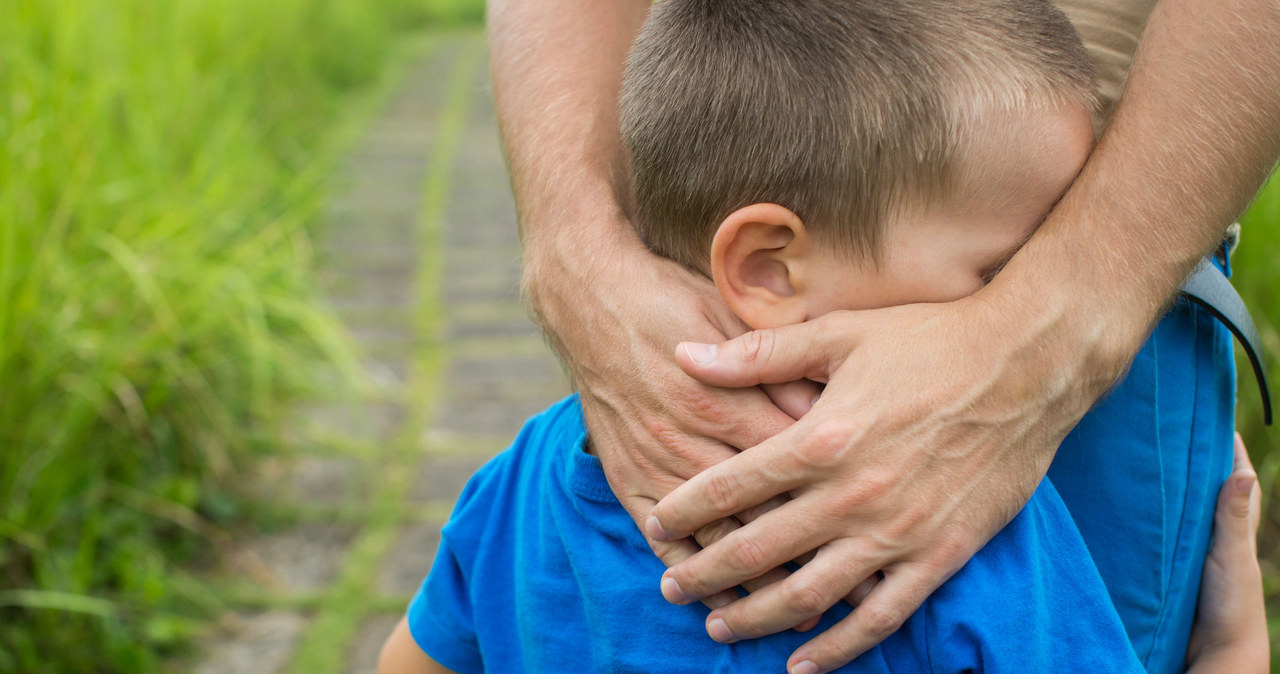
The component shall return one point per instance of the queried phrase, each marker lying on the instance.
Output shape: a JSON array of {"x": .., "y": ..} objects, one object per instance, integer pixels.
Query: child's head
[{"x": 835, "y": 154}]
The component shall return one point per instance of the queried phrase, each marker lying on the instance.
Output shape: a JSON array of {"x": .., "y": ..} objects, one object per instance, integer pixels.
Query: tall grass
[
  {"x": 1257, "y": 276},
  {"x": 159, "y": 163}
]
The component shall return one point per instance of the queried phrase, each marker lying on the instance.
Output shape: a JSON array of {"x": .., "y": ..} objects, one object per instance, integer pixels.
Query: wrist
[
  {"x": 1072, "y": 342},
  {"x": 1090, "y": 306},
  {"x": 569, "y": 250}
]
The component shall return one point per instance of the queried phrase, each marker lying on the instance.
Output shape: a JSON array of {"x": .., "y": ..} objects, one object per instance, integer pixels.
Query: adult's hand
[
  {"x": 937, "y": 423},
  {"x": 1201, "y": 111},
  {"x": 652, "y": 426},
  {"x": 613, "y": 310},
  {"x": 939, "y": 419}
]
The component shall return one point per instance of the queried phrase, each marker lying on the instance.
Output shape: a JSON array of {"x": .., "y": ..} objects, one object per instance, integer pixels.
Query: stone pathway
[{"x": 421, "y": 260}]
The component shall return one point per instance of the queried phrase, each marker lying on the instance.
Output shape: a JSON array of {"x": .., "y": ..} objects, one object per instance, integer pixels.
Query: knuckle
[
  {"x": 880, "y": 622},
  {"x": 826, "y": 443},
  {"x": 758, "y": 345},
  {"x": 749, "y": 556},
  {"x": 703, "y": 405},
  {"x": 806, "y": 597},
  {"x": 714, "y": 532},
  {"x": 722, "y": 494},
  {"x": 659, "y": 428},
  {"x": 950, "y": 553},
  {"x": 843, "y": 653},
  {"x": 868, "y": 488}
]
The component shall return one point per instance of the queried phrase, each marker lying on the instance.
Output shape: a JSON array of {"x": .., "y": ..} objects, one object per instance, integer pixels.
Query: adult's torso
[{"x": 1110, "y": 30}]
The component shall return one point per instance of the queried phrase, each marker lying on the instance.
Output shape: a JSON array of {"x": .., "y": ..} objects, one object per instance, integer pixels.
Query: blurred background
[{"x": 245, "y": 248}]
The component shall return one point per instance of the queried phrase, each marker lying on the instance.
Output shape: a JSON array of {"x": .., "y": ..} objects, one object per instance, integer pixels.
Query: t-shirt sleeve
[
  {"x": 441, "y": 616},
  {"x": 1030, "y": 601}
]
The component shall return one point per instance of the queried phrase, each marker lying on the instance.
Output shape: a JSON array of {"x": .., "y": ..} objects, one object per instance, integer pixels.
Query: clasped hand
[{"x": 924, "y": 444}]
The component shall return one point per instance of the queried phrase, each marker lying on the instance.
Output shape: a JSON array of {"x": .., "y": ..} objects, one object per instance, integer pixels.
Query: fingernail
[
  {"x": 701, "y": 354},
  {"x": 672, "y": 592},
  {"x": 1243, "y": 484},
  {"x": 654, "y": 529},
  {"x": 805, "y": 667},
  {"x": 720, "y": 631}
]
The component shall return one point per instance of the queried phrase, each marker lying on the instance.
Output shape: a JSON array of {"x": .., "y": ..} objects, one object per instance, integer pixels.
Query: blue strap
[{"x": 1209, "y": 288}]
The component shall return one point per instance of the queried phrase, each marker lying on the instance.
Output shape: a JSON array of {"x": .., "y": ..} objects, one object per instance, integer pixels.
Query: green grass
[
  {"x": 1257, "y": 276},
  {"x": 160, "y": 165}
]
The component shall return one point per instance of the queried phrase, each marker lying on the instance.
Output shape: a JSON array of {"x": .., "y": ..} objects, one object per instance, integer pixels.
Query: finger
[
  {"x": 809, "y": 350},
  {"x": 719, "y": 529},
  {"x": 880, "y": 615},
  {"x": 795, "y": 398},
  {"x": 732, "y": 486},
  {"x": 1239, "y": 501},
  {"x": 674, "y": 552},
  {"x": 740, "y": 418},
  {"x": 746, "y": 553},
  {"x": 806, "y": 593},
  {"x": 860, "y": 591}
]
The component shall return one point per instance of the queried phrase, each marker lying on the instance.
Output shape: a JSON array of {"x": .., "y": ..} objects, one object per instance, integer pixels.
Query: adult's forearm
[
  {"x": 1196, "y": 131},
  {"x": 557, "y": 67}
]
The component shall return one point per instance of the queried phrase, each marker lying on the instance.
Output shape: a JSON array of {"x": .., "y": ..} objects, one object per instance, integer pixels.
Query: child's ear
[{"x": 758, "y": 261}]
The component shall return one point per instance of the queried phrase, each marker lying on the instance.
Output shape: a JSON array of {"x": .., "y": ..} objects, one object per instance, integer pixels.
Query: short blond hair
[{"x": 844, "y": 111}]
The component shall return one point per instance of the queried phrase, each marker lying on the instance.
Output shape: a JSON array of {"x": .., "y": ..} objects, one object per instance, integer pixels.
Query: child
[{"x": 944, "y": 162}]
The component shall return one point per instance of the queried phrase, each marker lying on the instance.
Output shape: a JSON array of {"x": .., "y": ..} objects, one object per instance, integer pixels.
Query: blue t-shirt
[
  {"x": 1140, "y": 474},
  {"x": 540, "y": 569}
]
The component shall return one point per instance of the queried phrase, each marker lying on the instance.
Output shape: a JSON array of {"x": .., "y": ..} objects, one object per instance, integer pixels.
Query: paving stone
[
  {"x": 302, "y": 558},
  {"x": 328, "y": 480},
  {"x": 353, "y": 258},
  {"x": 385, "y": 339},
  {"x": 518, "y": 346},
  {"x": 389, "y": 304},
  {"x": 441, "y": 478},
  {"x": 261, "y": 643},
  {"x": 491, "y": 253},
  {"x": 457, "y": 294},
  {"x": 370, "y": 420},
  {"x": 362, "y": 653},
  {"x": 438, "y": 442},
  {"x": 410, "y": 559},
  {"x": 499, "y": 368},
  {"x": 491, "y": 328},
  {"x": 545, "y": 390},
  {"x": 387, "y": 374},
  {"x": 506, "y": 282},
  {"x": 310, "y": 480},
  {"x": 487, "y": 417}
]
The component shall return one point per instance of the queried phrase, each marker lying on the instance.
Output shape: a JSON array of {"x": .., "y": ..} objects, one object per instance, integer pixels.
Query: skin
[
  {"x": 770, "y": 270},
  {"x": 1231, "y": 622},
  {"x": 966, "y": 401}
]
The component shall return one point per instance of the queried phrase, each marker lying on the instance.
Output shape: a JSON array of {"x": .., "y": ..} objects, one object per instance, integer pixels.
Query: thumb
[
  {"x": 1234, "y": 502},
  {"x": 810, "y": 350},
  {"x": 1239, "y": 502}
]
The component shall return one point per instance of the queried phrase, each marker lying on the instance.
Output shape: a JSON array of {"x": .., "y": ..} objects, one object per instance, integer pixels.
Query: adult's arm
[
  {"x": 613, "y": 310},
  {"x": 939, "y": 420}
]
